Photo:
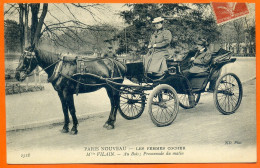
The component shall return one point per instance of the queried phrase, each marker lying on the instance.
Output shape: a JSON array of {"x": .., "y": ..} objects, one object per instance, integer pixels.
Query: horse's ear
[{"x": 32, "y": 47}]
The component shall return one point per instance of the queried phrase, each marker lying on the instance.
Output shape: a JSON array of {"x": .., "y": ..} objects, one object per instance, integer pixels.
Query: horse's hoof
[
  {"x": 75, "y": 132},
  {"x": 64, "y": 130},
  {"x": 109, "y": 127},
  {"x": 105, "y": 125}
]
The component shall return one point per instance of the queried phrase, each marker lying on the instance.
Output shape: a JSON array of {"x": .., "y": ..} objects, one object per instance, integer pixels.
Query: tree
[
  {"x": 74, "y": 30},
  {"x": 187, "y": 22},
  {"x": 12, "y": 36},
  {"x": 36, "y": 23},
  {"x": 238, "y": 27},
  {"x": 59, "y": 29},
  {"x": 250, "y": 31}
]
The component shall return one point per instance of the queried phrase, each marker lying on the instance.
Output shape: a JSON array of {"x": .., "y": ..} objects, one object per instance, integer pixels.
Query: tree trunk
[
  {"x": 37, "y": 34},
  {"x": 249, "y": 36},
  {"x": 21, "y": 24},
  {"x": 35, "y": 10},
  {"x": 26, "y": 10}
]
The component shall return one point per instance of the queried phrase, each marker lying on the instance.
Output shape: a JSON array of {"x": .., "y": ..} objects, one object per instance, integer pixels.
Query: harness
[
  {"x": 81, "y": 70},
  {"x": 81, "y": 64}
]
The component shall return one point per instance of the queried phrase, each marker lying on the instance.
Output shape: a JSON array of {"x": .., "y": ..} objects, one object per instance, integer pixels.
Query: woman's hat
[
  {"x": 202, "y": 42},
  {"x": 157, "y": 20}
]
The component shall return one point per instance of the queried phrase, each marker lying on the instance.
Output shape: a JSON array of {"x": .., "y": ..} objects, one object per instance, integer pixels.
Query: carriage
[
  {"x": 170, "y": 91},
  {"x": 161, "y": 94}
]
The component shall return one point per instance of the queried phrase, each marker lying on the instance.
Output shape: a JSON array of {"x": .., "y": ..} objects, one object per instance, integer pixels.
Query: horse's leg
[
  {"x": 70, "y": 102},
  {"x": 65, "y": 112},
  {"x": 114, "y": 101}
]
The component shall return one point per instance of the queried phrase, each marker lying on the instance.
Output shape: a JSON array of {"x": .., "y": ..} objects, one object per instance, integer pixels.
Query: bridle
[{"x": 31, "y": 56}]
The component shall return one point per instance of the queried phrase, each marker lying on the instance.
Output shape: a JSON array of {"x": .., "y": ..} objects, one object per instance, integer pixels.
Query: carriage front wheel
[
  {"x": 228, "y": 93},
  {"x": 163, "y": 105},
  {"x": 131, "y": 105}
]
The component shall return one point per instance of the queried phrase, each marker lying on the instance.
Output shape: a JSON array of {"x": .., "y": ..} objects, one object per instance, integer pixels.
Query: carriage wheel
[
  {"x": 131, "y": 105},
  {"x": 163, "y": 105},
  {"x": 184, "y": 100},
  {"x": 228, "y": 93}
]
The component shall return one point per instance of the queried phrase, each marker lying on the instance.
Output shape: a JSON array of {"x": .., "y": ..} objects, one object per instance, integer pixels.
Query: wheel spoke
[{"x": 229, "y": 94}]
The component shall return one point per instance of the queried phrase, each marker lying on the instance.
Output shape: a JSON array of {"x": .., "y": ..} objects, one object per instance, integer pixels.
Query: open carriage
[
  {"x": 171, "y": 90},
  {"x": 162, "y": 94}
]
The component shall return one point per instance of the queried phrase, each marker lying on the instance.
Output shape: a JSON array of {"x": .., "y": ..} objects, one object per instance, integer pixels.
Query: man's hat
[{"x": 157, "y": 20}]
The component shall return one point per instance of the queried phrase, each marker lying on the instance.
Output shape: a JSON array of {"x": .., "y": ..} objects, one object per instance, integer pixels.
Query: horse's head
[{"x": 27, "y": 64}]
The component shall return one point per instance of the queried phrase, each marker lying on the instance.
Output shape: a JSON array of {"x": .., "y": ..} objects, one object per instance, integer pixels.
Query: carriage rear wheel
[
  {"x": 184, "y": 100},
  {"x": 131, "y": 106},
  {"x": 228, "y": 93},
  {"x": 163, "y": 105}
]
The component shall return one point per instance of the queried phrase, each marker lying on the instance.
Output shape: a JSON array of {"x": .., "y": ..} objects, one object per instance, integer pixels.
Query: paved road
[{"x": 203, "y": 131}]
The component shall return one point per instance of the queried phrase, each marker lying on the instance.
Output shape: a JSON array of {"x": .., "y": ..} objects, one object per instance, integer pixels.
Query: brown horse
[{"x": 66, "y": 83}]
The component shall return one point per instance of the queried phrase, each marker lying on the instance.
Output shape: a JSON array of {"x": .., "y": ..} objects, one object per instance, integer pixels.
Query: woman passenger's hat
[
  {"x": 109, "y": 46},
  {"x": 202, "y": 42},
  {"x": 157, "y": 20}
]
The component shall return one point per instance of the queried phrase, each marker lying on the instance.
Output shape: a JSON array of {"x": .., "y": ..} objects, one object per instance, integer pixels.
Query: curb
[
  {"x": 50, "y": 122},
  {"x": 252, "y": 78},
  {"x": 60, "y": 121}
]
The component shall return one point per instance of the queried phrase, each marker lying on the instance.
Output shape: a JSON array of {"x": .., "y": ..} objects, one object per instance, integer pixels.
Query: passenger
[
  {"x": 155, "y": 60},
  {"x": 201, "y": 63},
  {"x": 202, "y": 58}
]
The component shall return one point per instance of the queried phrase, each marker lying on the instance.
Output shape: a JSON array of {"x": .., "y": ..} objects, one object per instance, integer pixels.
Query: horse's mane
[{"x": 47, "y": 56}]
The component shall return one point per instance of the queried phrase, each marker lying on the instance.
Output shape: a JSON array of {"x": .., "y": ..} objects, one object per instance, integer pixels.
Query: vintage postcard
[{"x": 130, "y": 82}]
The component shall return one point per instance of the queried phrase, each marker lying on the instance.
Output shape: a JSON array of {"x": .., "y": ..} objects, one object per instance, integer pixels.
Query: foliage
[
  {"x": 187, "y": 22},
  {"x": 237, "y": 32},
  {"x": 11, "y": 36}
]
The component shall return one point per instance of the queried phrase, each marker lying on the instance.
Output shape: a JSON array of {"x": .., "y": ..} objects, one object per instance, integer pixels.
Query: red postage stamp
[{"x": 226, "y": 11}]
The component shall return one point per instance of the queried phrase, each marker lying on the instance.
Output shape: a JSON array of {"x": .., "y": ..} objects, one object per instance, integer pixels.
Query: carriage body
[
  {"x": 178, "y": 79},
  {"x": 176, "y": 85}
]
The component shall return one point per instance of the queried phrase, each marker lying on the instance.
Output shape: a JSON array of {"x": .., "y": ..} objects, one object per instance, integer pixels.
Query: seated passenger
[
  {"x": 202, "y": 58},
  {"x": 201, "y": 63}
]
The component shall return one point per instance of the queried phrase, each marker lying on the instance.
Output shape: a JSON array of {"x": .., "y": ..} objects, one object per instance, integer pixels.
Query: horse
[{"x": 66, "y": 85}]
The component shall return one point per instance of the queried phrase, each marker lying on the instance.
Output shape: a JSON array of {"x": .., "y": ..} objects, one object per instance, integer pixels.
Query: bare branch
[
  {"x": 94, "y": 16},
  {"x": 41, "y": 21},
  {"x": 12, "y": 6},
  {"x": 70, "y": 12},
  {"x": 60, "y": 9}
]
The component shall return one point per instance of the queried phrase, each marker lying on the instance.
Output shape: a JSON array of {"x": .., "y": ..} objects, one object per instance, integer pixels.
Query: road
[{"x": 203, "y": 131}]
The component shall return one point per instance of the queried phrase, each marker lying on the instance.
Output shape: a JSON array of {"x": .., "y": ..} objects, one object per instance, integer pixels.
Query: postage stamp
[{"x": 227, "y": 11}]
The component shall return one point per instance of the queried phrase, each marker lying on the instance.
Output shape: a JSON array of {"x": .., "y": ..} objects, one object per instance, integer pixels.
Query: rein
[
  {"x": 107, "y": 81},
  {"x": 43, "y": 69}
]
